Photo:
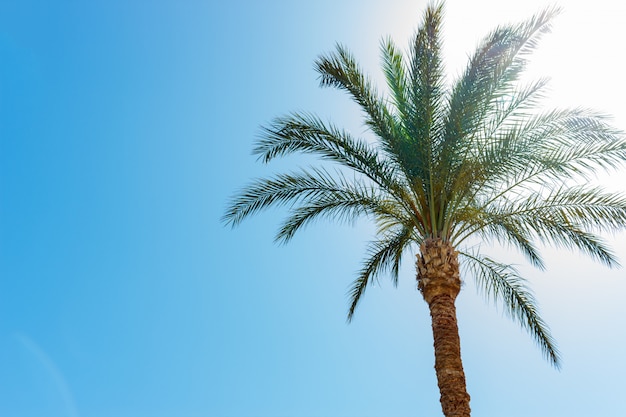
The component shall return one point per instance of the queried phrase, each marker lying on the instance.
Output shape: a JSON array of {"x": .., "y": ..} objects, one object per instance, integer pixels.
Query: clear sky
[{"x": 125, "y": 126}]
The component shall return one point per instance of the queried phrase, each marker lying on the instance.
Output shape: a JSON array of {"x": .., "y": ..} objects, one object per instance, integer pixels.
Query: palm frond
[
  {"x": 509, "y": 111},
  {"x": 570, "y": 236},
  {"x": 384, "y": 255},
  {"x": 551, "y": 147},
  {"x": 503, "y": 229},
  {"x": 308, "y": 134},
  {"x": 426, "y": 91},
  {"x": 279, "y": 190},
  {"x": 396, "y": 75},
  {"x": 344, "y": 203},
  {"x": 478, "y": 95},
  {"x": 492, "y": 70},
  {"x": 563, "y": 217},
  {"x": 503, "y": 285},
  {"x": 499, "y": 150},
  {"x": 339, "y": 69},
  {"x": 426, "y": 72}
]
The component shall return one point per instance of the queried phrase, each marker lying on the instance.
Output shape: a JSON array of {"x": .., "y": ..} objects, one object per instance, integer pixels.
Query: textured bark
[{"x": 439, "y": 282}]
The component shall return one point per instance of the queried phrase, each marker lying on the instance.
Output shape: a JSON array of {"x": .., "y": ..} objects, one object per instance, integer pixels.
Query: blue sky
[{"x": 125, "y": 126}]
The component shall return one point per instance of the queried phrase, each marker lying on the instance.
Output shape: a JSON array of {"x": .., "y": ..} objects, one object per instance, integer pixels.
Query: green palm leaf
[{"x": 503, "y": 285}]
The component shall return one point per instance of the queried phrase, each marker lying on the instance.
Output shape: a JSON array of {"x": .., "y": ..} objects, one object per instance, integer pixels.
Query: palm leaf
[
  {"x": 385, "y": 255},
  {"x": 502, "y": 284}
]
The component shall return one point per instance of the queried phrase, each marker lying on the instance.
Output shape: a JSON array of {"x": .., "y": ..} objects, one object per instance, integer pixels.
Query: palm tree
[{"x": 452, "y": 164}]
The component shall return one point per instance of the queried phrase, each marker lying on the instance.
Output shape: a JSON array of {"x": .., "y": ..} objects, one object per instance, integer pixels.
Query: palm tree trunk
[{"x": 439, "y": 281}]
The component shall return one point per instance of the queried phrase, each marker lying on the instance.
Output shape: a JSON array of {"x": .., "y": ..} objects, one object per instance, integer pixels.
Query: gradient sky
[{"x": 125, "y": 126}]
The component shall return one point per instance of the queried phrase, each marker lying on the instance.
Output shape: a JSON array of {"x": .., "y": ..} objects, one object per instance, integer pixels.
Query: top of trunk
[{"x": 438, "y": 269}]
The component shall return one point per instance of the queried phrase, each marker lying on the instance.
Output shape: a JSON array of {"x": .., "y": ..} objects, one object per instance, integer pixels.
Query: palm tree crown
[{"x": 451, "y": 161}]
